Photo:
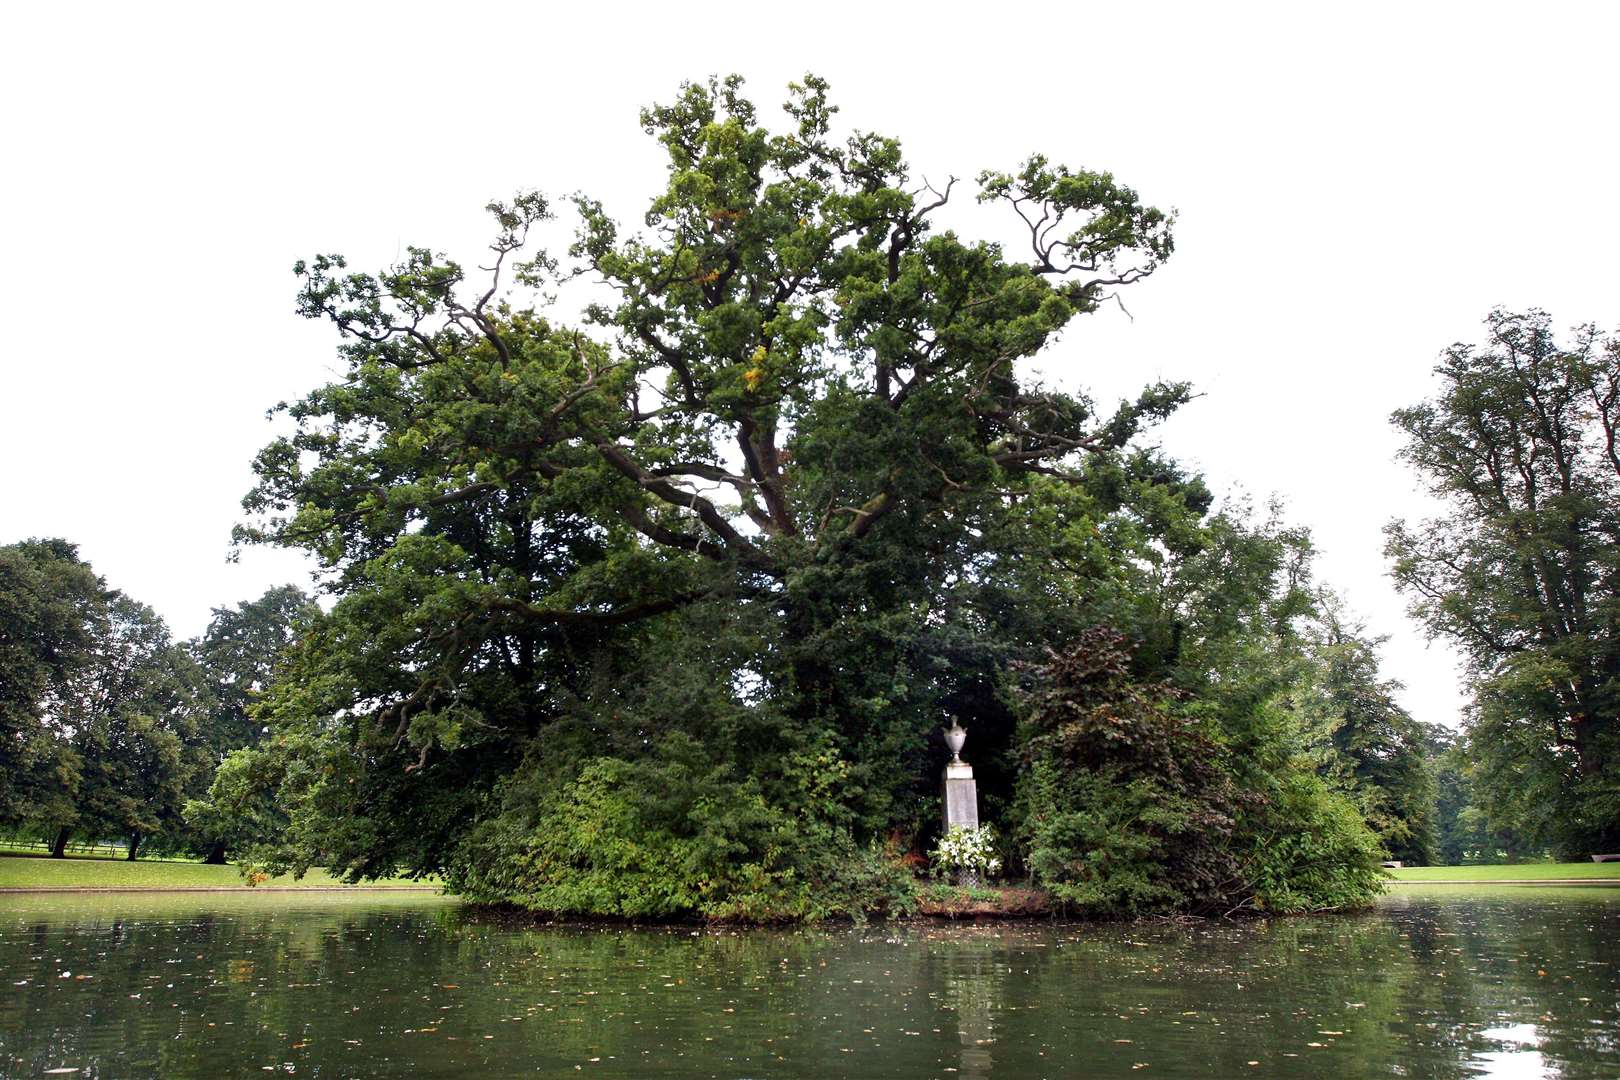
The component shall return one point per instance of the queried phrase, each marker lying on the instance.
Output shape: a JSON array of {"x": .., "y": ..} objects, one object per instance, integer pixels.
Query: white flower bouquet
[{"x": 969, "y": 854}]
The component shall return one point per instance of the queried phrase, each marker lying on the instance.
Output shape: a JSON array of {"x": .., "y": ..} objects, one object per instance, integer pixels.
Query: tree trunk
[
  {"x": 216, "y": 854},
  {"x": 59, "y": 849},
  {"x": 1591, "y": 763},
  {"x": 1589, "y": 755},
  {"x": 134, "y": 845}
]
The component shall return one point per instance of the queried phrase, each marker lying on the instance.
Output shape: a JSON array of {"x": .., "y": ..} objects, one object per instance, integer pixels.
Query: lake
[{"x": 1436, "y": 982}]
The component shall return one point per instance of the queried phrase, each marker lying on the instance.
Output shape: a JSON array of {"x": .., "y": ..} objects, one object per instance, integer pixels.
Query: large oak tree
[{"x": 656, "y": 614}]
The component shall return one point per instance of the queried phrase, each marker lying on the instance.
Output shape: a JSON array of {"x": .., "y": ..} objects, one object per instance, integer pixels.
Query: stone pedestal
[{"x": 961, "y": 797}]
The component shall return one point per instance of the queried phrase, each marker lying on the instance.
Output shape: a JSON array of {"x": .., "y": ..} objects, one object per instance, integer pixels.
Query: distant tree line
[{"x": 108, "y": 727}]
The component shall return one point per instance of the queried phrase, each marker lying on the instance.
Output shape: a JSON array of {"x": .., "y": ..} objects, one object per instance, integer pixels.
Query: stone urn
[{"x": 955, "y": 736}]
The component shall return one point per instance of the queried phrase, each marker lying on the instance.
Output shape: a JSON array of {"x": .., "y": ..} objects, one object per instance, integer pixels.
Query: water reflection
[
  {"x": 1521, "y": 1060},
  {"x": 1521, "y": 984}
]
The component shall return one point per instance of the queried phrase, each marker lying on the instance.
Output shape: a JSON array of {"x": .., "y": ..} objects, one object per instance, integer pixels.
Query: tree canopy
[
  {"x": 1522, "y": 570},
  {"x": 132, "y": 717},
  {"x": 238, "y": 655},
  {"x": 51, "y": 612}
]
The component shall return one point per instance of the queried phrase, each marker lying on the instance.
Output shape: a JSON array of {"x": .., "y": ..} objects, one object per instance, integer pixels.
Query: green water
[{"x": 1435, "y": 983}]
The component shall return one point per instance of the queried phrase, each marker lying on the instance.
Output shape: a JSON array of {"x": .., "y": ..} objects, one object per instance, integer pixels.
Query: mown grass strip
[
  {"x": 42, "y": 872},
  {"x": 1585, "y": 871}
]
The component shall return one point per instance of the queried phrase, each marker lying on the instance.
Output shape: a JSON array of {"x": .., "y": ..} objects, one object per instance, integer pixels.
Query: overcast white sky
[{"x": 1358, "y": 185}]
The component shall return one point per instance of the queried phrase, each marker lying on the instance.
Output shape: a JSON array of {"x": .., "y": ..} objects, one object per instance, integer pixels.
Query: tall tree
[
  {"x": 238, "y": 654},
  {"x": 806, "y": 398},
  {"x": 1523, "y": 568},
  {"x": 52, "y": 611},
  {"x": 132, "y": 716},
  {"x": 657, "y": 618}
]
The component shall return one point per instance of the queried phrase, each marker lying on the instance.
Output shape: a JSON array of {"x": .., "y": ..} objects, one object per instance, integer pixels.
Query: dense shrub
[
  {"x": 1310, "y": 850},
  {"x": 670, "y": 835},
  {"x": 1127, "y": 806}
]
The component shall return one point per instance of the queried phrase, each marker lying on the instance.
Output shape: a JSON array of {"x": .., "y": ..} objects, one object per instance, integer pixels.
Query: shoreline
[{"x": 1025, "y": 906}]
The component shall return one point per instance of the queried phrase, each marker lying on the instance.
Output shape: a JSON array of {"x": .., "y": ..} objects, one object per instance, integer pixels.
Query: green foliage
[
  {"x": 1126, "y": 806},
  {"x": 1522, "y": 571},
  {"x": 672, "y": 834},
  {"x": 101, "y": 714},
  {"x": 1364, "y": 743},
  {"x": 52, "y": 609},
  {"x": 239, "y": 652},
  {"x": 238, "y": 808},
  {"x": 133, "y": 715},
  {"x": 1138, "y": 800},
  {"x": 1465, "y": 835},
  {"x": 1311, "y": 851},
  {"x": 940, "y": 892},
  {"x": 108, "y": 725},
  {"x": 657, "y": 617},
  {"x": 238, "y": 655}
]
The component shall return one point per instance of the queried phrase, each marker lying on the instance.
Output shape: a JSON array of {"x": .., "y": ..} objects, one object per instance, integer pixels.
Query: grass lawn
[
  {"x": 19, "y": 869},
  {"x": 1523, "y": 872}
]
